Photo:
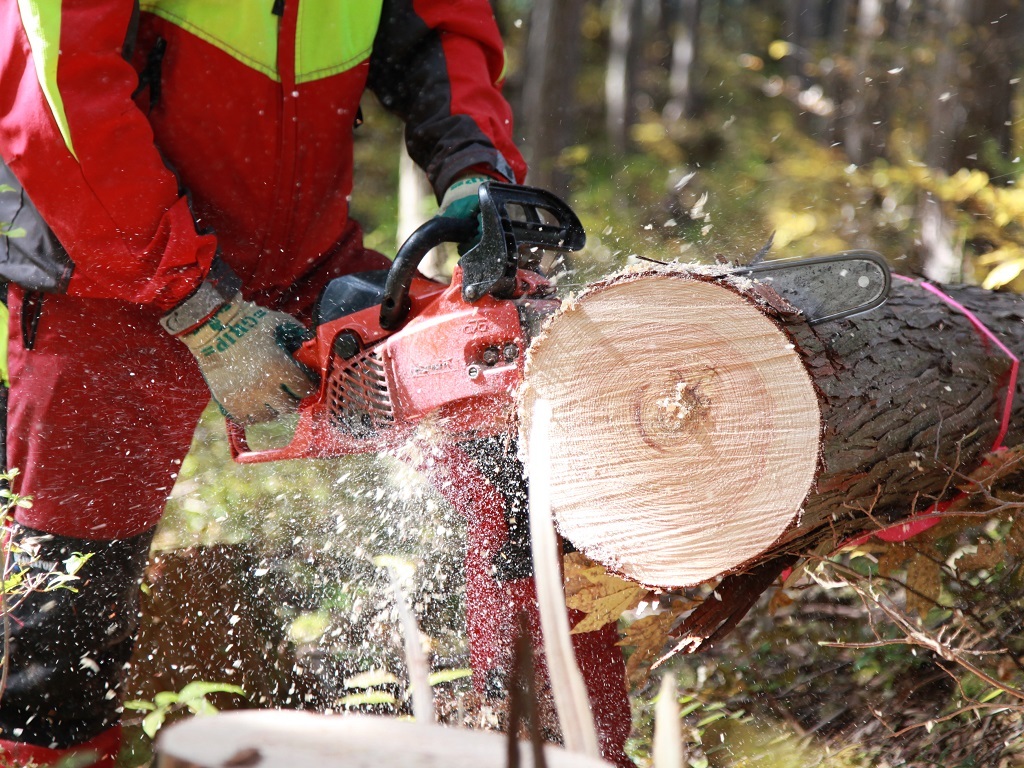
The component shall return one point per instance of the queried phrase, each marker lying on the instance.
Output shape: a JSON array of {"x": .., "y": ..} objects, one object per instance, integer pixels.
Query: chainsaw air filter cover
[{"x": 358, "y": 397}]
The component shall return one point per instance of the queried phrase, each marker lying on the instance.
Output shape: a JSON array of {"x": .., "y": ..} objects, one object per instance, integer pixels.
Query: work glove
[
  {"x": 243, "y": 351},
  {"x": 462, "y": 201}
]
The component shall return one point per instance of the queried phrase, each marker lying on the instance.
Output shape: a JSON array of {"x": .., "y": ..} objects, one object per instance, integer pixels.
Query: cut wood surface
[
  {"x": 685, "y": 427},
  {"x": 286, "y": 739},
  {"x": 686, "y": 437}
]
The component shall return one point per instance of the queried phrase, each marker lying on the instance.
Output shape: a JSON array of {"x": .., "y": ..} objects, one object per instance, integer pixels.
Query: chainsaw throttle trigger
[
  {"x": 395, "y": 306},
  {"x": 516, "y": 224},
  {"x": 826, "y": 288}
]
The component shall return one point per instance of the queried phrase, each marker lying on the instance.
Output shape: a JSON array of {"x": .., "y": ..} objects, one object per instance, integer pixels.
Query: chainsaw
[{"x": 392, "y": 349}]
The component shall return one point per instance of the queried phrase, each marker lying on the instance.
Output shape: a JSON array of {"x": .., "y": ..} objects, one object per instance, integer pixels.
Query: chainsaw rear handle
[{"x": 438, "y": 230}]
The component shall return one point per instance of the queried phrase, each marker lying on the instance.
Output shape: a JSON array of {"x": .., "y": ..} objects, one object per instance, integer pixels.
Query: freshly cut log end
[
  {"x": 285, "y": 739},
  {"x": 685, "y": 429}
]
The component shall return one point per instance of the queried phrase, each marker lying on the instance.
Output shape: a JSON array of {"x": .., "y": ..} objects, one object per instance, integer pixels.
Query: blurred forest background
[{"x": 690, "y": 130}]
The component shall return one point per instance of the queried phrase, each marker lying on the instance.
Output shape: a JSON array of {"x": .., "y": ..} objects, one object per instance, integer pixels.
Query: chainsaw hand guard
[{"x": 508, "y": 243}]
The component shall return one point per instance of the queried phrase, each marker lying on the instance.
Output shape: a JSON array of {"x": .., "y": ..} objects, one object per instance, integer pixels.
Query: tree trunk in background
[
  {"x": 993, "y": 63},
  {"x": 865, "y": 139},
  {"x": 941, "y": 259},
  {"x": 683, "y": 21},
  {"x": 946, "y": 118},
  {"x": 801, "y": 28},
  {"x": 415, "y": 197},
  {"x": 620, "y": 77},
  {"x": 549, "y": 89}
]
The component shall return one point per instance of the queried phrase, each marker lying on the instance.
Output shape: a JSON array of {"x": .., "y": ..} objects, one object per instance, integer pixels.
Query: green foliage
[
  {"x": 378, "y": 687},
  {"x": 191, "y": 698}
]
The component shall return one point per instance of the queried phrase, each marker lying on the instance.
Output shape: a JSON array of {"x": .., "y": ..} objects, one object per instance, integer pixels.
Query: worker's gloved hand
[
  {"x": 462, "y": 201},
  {"x": 244, "y": 353}
]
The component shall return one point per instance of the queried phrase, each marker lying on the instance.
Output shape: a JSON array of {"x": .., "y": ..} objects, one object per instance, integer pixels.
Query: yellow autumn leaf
[
  {"x": 1005, "y": 273},
  {"x": 647, "y": 636},
  {"x": 791, "y": 226},
  {"x": 601, "y": 596},
  {"x": 779, "y": 49}
]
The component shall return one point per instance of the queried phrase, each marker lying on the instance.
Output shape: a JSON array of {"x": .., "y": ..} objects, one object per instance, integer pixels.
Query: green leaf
[
  {"x": 7, "y": 188},
  {"x": 309, "y": 627},
  {"x": 201, "y": 707},
  {"x": 16, "y": 232},
  {"x": 140, "y": 705},
  {"x": 166, "y": 699},
  {"x": 371, "y": 679},
  {"x": 151, "y": 723},
  {"x": 83, "y": 759},
  {"x": 73, "y": 564},
  {"x": 14, "y": 581},
  {"x": 710, "y": 719},
  {"x": 448, "y": 675},
  {"x": 201, "y": 688},
  {"x": 994, "y": 693},
  {"x": 693, "y": 707},
  {"x": 368, "y": 698}
]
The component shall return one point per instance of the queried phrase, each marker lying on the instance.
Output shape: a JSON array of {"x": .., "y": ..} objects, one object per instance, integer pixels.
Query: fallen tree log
[
  {"x": 284, "y": 739},
  {"x": 702, "y": 429}
]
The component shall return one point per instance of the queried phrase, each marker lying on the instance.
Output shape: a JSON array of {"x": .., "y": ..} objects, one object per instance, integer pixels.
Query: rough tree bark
[{"x": 909, "y": 396}]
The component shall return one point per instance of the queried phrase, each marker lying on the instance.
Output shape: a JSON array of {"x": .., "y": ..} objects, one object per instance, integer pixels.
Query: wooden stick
[
  {"x": 570, "y": 693},
  {"x": 668, "y": 736},
  {"x": 415, "y": 658}
]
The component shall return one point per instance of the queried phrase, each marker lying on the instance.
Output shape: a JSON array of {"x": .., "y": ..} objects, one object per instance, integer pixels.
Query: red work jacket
[{"x": 144, "y": 139}]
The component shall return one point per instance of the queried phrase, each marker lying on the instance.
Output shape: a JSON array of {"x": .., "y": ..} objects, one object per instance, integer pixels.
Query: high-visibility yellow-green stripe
[
  {"x": 4, "y": 319},
  {"x": 41, "y": 19},
  {"x": 333, "y": 36},
  {"x": 244, "y": 29}
]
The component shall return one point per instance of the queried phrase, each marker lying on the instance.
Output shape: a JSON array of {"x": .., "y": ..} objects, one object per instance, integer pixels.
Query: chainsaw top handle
[
  {"x": 428, "y": 236},
  {"x": 515, "y": 222}
]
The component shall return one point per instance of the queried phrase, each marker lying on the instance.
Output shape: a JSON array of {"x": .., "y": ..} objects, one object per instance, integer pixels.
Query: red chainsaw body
[{"x": 454, "y": 362}]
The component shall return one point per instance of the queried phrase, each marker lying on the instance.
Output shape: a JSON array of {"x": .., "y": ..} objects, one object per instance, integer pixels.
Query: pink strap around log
[{"x": 929, "y": 517}]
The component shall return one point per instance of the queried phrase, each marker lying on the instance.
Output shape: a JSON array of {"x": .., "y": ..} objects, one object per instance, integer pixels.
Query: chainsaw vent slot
[{"x": 357, "y": 394}]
